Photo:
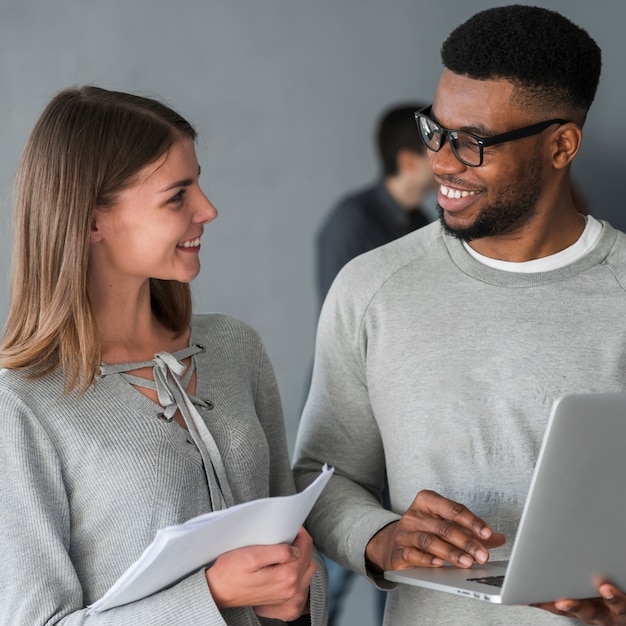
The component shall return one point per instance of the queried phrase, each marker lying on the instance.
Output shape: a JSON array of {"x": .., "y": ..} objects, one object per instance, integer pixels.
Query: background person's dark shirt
[{"x": 360, "y": 222}]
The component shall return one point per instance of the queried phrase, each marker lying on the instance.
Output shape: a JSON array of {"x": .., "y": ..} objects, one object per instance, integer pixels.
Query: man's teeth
[
  {"x": 193, "y": 243},
  {"x": 448, "y": 192}
]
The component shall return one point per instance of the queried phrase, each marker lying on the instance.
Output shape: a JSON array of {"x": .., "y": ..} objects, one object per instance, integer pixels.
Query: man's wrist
[{"x": 377, "y": 551}]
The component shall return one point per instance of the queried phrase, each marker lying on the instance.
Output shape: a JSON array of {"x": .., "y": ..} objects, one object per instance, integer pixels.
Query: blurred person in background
[{"x": 386, "y": 210}]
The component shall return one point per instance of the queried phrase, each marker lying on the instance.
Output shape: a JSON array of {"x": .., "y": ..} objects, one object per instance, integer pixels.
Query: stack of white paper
[{"x": 177, "y": 551}]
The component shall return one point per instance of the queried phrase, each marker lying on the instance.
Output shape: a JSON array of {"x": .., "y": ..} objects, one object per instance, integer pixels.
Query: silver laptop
[{"x": 572, "y": 525}]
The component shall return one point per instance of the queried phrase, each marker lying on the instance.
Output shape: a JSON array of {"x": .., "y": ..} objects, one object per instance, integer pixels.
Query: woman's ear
[
  {"x": 567, "y": 140},
  {"x": 94, "y": 233}
]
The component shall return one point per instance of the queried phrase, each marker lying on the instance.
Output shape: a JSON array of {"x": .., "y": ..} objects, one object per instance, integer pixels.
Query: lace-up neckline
[{"x": 167, "y": 370}]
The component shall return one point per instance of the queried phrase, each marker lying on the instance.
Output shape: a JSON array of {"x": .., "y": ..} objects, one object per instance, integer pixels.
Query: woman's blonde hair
[{"x": 86, "y": 147}]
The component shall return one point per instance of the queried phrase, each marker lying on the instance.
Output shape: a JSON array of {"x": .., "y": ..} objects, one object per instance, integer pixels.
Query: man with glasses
[{"x": 439, "y": 355}]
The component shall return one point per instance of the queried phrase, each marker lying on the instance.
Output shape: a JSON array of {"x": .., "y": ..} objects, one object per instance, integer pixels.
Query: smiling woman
[
  {"x": 123, "y": 412},
  {"x": 152, "y": 222}
]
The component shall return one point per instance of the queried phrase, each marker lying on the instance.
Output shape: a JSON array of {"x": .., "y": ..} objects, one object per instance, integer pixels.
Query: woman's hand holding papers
[{"x": 273, "y": 579}]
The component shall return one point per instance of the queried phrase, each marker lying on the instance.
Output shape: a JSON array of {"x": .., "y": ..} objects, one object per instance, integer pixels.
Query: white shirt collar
[{"x": 577, "y": 250}]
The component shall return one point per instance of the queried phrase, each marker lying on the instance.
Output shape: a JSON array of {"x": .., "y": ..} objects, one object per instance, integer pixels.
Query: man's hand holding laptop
[{"x": 609, "y": 609}]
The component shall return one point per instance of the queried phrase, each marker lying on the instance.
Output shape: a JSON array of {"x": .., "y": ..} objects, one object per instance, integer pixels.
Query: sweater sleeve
[
  {"x": 269, "y": 410},
  {"x": 270, "y": 413},
  {"x": 338, "y": 427},
  {"x": 40, "y": 583}
]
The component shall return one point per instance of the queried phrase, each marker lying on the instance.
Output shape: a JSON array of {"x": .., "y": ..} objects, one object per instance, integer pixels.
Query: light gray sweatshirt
[
  {"x": 87, "y": 482},
  {"x": 444, "y": 370}
]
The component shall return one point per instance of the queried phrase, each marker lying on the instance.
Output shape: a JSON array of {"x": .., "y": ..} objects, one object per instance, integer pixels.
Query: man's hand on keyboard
[{"x": 432, "y": 531}]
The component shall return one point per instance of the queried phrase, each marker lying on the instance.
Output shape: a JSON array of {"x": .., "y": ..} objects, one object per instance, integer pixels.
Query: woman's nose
[{"x": 205, "y": 212}]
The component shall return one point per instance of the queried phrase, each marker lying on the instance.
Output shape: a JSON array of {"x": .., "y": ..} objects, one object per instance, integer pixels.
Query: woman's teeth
[
  {"x": 448, "y": 192},
  {"x": 193, "y": 243}
]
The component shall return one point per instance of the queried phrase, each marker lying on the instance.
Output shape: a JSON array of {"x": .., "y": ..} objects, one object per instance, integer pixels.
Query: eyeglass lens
[{"x": 464, "y": 146}]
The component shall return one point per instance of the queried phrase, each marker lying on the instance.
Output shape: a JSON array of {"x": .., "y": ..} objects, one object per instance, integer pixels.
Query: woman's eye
[{"x": 178, "y": 197}]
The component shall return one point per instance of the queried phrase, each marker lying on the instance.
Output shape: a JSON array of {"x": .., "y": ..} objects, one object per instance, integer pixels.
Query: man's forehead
[{"x": 464, "y": 102}]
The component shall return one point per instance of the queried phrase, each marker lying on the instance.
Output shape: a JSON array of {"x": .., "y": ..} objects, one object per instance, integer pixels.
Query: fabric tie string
[
  {"x": 167, "y": 370},
  {"x": 164, "y": 362}
]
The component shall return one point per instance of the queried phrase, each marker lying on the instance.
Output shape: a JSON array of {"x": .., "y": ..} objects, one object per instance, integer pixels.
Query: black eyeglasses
[{"x": 467, "y": 147}]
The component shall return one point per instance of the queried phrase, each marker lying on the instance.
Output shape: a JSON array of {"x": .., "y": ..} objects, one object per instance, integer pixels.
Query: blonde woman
[{"x": 121, "y": 411}]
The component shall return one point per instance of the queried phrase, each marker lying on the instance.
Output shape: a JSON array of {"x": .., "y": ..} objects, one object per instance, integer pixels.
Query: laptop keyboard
[{"x": 494, "y": 581}]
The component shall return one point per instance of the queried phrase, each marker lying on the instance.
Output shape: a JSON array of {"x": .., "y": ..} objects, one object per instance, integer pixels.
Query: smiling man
[{"x": 439, "y": 355}]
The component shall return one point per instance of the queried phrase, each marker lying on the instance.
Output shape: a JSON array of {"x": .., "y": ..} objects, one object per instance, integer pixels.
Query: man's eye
[{"x": 465, "y": 142}]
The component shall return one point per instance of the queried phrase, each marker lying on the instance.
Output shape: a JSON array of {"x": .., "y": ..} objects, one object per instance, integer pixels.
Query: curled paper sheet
[{"x": 178, "y": 551}]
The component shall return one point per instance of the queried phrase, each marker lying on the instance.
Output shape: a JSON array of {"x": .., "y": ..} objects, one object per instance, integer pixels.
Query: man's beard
[{"x": 514, "y": 208}]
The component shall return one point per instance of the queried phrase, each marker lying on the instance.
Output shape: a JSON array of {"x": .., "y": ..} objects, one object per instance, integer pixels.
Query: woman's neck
[{"x": 128, "y": 329}]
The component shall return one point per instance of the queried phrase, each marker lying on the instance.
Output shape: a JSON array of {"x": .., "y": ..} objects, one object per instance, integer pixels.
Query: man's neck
[{"x": 541, "y": 236}]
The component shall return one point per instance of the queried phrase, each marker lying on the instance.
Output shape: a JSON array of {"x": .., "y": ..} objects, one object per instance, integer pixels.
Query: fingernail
[
  {"x": 482, "y": 556},
  {"x": 468, "y": 561},
  {"x": 564, "y": 605},
  {"x": 606, "y": 593},
  {"x": 295, "y": 552}
]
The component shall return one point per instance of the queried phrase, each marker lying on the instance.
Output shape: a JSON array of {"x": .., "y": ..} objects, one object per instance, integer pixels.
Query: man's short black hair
[
  {"x": 556, "y": 63},
  {"x": 397, "y": 130}
]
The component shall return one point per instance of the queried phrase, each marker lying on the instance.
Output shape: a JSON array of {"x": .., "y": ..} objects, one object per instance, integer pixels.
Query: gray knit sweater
[
  {"x": 87, "y": 483},
  {"x": 445, "y": 370}
]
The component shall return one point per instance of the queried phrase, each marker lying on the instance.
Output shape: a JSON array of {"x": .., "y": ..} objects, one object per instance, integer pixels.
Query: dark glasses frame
[{"x": 482, "y": 142}]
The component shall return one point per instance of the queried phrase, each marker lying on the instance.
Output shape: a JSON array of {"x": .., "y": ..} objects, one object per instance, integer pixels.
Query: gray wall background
[{"x": 284, "y": 94}]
